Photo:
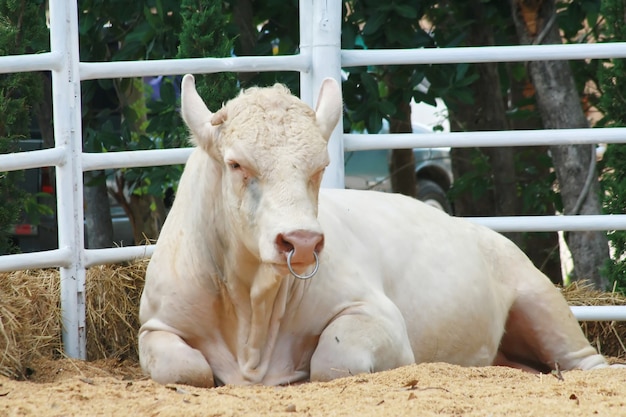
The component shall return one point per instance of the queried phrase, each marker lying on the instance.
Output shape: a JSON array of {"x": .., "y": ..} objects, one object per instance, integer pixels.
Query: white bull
[{"x": 398, "y": 282}]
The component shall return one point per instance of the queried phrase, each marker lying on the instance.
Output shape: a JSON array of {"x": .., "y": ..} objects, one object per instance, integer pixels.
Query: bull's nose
[{"x": 303, "y": 243}]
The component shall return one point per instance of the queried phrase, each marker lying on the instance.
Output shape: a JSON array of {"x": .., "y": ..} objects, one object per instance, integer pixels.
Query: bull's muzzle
[{"x": 301, "y": 247}]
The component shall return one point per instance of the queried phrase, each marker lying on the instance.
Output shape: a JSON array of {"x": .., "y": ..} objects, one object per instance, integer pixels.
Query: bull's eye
[{"x": 239, "y": 172}]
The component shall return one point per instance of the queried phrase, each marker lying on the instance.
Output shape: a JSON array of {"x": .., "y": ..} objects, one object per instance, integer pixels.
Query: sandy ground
[{"x": 109, "y": 388}]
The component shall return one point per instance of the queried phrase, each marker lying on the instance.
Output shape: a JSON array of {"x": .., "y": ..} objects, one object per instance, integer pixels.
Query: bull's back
[{"x": 433, "y": 267}]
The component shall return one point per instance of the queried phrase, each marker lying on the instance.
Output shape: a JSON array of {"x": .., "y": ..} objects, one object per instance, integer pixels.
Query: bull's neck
[
  {"x": 200, "y": 235},
  {"x": 260, "y": 308},
  {"x": 258, "y": 295}
]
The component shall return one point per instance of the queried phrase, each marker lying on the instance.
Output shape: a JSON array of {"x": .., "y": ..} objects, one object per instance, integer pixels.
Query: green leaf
[
  {"x": 168, "y": 94},
  {"x": 348, "y": 36},
  {"x": 416, "y": 78},
  {"x": 425, "y": 98},
  {"x": 467, "y": 81},
  {"x": 375, "y": 122},
  {"x": 370, "y": 84},
  {"x": 374, "y": 23},
  {"x": 461, "y": 70},
  {"x": 405, "y": 10},
  {"x": 464, "y": 96},
  {"x": 360, "y": 112},
  {"x": 86, "y": 23},
  {"x": 386, "y": 107},
  {"x": 518, "y": 71}
]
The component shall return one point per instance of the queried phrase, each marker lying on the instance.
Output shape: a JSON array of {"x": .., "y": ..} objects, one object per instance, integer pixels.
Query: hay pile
[
  {"x": 113, "y": 293},
  {"x": 30, "y": 317},
  {"x": 609, "y": 337},
  {"x": 30, "y": 326}
]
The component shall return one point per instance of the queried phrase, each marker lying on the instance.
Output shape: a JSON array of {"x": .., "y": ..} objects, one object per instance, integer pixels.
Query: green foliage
[
  {"x": 16, "y": 36},
  {"x": 581, "y": 22},
  {"x": 478, "y": 181},
  {"x": 614, "y": 201},
  {"x": 276, "y": 30},
  {"x": 612, "y": 104},
  {"x": 164, "y": 129},
  {"x": 17, "y": 93},
  {"x": 578, "y": 19},
  {"x": 19, "y": 90},
  {"x": 11, "y": 199},
  {"x": 536, "y": 190},
  {"x": 120, "y": 30},
  {"x": 536, "y": 193},
  {"x": 204, "y": 35},
  {"x": 374, "y": 93},
  {"x": 121, "y": 114},
  {"x": 124, "y": 114}
]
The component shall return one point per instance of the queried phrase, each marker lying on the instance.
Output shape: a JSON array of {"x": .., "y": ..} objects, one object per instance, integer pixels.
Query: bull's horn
[
  {"x": 329, "y": 106},
  {"x": 195, "y": 113}
]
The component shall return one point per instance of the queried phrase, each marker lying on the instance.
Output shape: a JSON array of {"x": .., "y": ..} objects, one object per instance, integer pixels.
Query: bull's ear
[
  {"x": 329, "y": 106},
  {"x": 195, "y": 113}
]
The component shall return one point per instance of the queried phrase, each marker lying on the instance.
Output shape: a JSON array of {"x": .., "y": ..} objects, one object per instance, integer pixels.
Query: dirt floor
[
  {"x": 110, "y": 388},
  {"x": 30, "y": 328}
]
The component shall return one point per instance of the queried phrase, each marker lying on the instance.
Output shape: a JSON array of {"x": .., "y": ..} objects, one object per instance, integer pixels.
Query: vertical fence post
[
  {"x": 69, "y": 175},
  {"x": 305, "y": 11},
  {"x": 320, "y": 39}
]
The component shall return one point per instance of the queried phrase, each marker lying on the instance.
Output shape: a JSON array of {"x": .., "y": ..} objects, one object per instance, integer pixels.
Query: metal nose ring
[{"x": 295, "y": 274}]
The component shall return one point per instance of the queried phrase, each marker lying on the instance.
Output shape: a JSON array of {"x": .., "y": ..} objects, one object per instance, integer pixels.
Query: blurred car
[{"x": 369, "y": 170}]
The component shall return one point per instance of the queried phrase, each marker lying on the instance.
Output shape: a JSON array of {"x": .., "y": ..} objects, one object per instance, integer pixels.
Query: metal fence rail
[
  {"x": 320, "y": 56},
  {"x": 477, "y": 54},
  {"x": 539, "y": 137}
]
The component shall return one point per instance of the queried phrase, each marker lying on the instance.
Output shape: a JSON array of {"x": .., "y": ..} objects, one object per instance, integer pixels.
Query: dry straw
[
  {"x": 609, "y": 337},
  {"x": 113, "y": 293},
  {"x": 30, "y": 326},
  {"x": 30, "y": 321}
]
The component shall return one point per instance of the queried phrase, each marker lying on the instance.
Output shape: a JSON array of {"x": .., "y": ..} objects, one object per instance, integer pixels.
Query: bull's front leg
[
  {"x": 361, "y": 341},
  {"x": 167, "y": 359}
]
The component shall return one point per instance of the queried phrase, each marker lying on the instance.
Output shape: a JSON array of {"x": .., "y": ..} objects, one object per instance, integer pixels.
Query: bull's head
[{"x": 272, "y": 150}]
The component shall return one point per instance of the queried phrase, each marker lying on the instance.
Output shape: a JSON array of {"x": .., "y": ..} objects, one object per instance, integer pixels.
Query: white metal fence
[{"x": 320, "y": 56}]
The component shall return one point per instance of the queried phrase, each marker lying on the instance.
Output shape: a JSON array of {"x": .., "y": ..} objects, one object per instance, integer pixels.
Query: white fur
[{"x": 399, "y": 282}]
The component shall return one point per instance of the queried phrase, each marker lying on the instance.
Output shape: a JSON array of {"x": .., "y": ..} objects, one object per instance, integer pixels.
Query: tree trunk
[
  {"x": 148, "y": 216},
  {"x": 488, "y": 112},
  {"x": 465, "y": 204},
  {"x": 402, "y": 163},
  {"x": 559, "y": 105},
  {"x": 43, "y": 111},
  {"x": 243, "y": 16},
  {"x": 541, "y": 247},
  {"x": 485, "y": 114},
  {"x": 97, "y": 211}
]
